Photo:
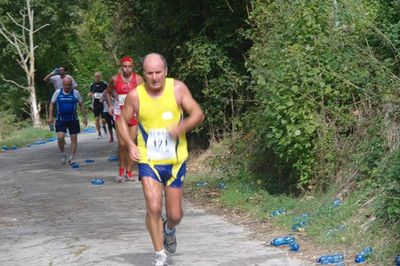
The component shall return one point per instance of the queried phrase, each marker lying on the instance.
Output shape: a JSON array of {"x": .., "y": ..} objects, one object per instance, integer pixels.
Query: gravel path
[{"x": 50, "y": 214}]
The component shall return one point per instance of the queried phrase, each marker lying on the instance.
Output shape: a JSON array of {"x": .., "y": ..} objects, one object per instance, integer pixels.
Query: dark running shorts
[
  {"x": 72, "y": 126},
  {"x": 97, "y": 109}
]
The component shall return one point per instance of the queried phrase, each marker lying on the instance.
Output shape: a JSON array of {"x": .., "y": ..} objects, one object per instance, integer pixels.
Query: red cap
[{"x": 126, "y": 59}]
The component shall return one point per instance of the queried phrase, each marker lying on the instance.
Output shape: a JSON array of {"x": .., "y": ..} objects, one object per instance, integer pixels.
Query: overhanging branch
[{"x": 15, "y": 83}]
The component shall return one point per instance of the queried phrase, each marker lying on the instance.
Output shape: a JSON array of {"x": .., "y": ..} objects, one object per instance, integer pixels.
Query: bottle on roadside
[
  {"x": 294, "y": 246},
  {"x": 331, "y": 259},
  {"x": 283, "y": 240},
  {"x": 278, "y": 212},
  {"x": 397, "y": 260},
  {"x": 363, "y": 255}
]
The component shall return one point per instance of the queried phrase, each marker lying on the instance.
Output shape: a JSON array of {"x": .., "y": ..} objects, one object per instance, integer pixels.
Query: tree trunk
[
  {"x": 31, "y": 75},
  {"x": 33, "y": 103},
  {"x": 26, "y": 52}
]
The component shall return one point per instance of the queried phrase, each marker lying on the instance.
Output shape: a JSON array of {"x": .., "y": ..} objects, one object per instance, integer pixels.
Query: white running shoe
[
  {"x": 160, "y": 259},
  {"x": 63, "y": 159},
  {"x": 71, "y": 160},
  {"x": 99, "y": 136},
  {"x": 119, "y": 179}
]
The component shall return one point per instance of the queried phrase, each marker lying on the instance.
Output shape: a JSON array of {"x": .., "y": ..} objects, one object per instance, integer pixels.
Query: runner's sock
[
  {"x": 129, "y": 174},
  {"x": 161, "y": 252},
  {"x": 169, "y": 231},
  {"x": 121, "y": 171}
]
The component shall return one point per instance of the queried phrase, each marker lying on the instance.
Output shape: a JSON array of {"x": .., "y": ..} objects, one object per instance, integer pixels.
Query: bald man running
[
  {"x": 162, "y": 149},
  {"x": 119, "y": 87},
  {"x": 96, "y": 93},
  {"x": 67, "y": 99}
]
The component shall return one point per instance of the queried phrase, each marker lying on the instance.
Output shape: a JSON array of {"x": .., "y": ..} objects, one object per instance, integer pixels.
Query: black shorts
[
  {"x": 72, "y": 126},
  {"x": 97, "y": 109}
]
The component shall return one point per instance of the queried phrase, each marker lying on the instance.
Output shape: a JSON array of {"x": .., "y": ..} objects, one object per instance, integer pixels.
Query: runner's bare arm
[
  {"x": 190, "y": 106},
  {"x": 46, "y": 78},
  {"x": 131, "y": 107},
  {"x": 51, "y": 111},
  {"x": 83, "y": 111},
  {"x": 108, "y": 95}
]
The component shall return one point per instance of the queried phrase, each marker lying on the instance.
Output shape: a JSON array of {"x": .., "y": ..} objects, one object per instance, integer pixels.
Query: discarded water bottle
[
  {"x": 201, "y": 184},
  {"x": 331, "y": 259},
  {"x": 297, "y": 226},
  {"x": 336, "y": 203},
  {"x": 75, "y": 165},
  {"x": 278, "y": 212},
  {"x": 397, "y": 260},
  {"x": 363, "y": 255},
  {"x": 89, "y": 161},
  {"x": 113, "y": 158},
  {"x": 283, "y": 240},
  {"x": 221, "y": 185},
  {"x": 294, "y": 246},
  {"x": 97, "y": 181},
  {"x": 5, "y": 148},
  {"x": 303, "y": 217},
  {"x": 14, "y": 147}
]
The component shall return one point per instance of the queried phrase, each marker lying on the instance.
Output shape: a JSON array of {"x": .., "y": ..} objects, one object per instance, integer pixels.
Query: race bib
[
  {"x": 97, "y": 95},
  {"x": 121, "y": 99},
  {"x": 160, "y": 145}
]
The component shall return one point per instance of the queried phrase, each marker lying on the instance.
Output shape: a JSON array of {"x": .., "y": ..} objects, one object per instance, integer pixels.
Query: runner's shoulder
[{"x": 180, "y": 86}]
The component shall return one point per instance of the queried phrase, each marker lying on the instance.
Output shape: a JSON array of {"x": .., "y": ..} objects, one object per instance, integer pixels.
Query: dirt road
[{"x": 51, "y": 214}]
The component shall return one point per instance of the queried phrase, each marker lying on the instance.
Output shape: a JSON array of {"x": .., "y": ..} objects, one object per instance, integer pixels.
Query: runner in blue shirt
[{"x": 67, "y": 99}]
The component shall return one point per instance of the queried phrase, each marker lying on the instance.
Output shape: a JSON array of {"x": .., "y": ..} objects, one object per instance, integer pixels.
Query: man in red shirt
[{"x": 119, "y": 87}]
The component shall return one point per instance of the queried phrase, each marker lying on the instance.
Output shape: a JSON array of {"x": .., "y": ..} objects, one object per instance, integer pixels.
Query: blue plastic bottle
[
  {"x": 97, "y": 181},
  {"x": 302, "y": 224},
  {"x": 363, "y": 255},
  {"x": 294, "y": 246},
  {"x": 221, "y": 185},
  {"x": 336, "y": 203},
  {"x": 113, "y": 158},
  {"x": 283, "y": 240},
  {"x": 278, "y": 212},
  {"x": 331, "y": 259},
  {"x": 201, "y": 184},
  {"x": 89, "y": 161},
  {"x": 397, "y": 260}
]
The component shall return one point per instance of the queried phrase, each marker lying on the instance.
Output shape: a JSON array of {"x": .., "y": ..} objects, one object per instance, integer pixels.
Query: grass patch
[
  {"x": 347, "y": 228},
  {"x": 26, "y": 136}
]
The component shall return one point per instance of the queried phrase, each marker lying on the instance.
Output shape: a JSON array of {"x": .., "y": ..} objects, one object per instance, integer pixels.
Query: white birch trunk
[{"x": 26, "y": 52}]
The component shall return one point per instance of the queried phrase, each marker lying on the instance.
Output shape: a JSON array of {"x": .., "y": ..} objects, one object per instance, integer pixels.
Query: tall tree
[{"x": 23, "y": 45}]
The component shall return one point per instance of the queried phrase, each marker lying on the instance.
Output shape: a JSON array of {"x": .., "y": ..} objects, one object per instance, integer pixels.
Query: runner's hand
[
  {"x": 50, "y": 121},
  {"x": 85, "y": 122},
  {"x": 134, "y": 152},
  {"x": 111, "y": 110},
  {"x": 174, "y": 132}
]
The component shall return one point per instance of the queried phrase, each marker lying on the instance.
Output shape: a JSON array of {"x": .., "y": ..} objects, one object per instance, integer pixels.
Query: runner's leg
[
  {"x": 74, "y": 145},
  {"x": 152, "y": 190},
  {"x": 122, "y": 155},
  {"x": 173, "y": 206},
  {"x": 129, "y": 161},
  {"x": 61, "y": 141},
  {"x": 98, "y": 126}
]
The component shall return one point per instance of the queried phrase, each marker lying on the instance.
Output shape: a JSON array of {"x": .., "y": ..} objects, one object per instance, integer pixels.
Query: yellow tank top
[{"x": 156, "y": 115}]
